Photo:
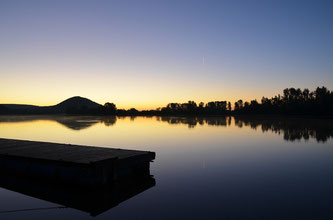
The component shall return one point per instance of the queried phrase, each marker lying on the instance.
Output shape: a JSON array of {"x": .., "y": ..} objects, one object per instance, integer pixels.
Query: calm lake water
[{"x": 205, "y": 168}]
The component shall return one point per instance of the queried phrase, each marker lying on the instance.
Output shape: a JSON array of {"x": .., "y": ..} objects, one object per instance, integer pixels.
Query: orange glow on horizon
[{"x": 142, "y": 104}]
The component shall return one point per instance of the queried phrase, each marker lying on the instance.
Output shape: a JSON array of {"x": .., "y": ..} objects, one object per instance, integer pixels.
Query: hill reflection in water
[
  {"x": 292, "y": 129},
  {"x": 71, "y": 122}
]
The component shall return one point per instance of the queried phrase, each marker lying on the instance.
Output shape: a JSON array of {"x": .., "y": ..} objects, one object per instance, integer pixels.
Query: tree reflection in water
[{"x": 292, "y": 129}]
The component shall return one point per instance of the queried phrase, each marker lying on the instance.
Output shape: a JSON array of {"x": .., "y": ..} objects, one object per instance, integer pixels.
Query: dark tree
[
  {"x": 110, "y": 108},
  {"x": 229, "y": 106}
]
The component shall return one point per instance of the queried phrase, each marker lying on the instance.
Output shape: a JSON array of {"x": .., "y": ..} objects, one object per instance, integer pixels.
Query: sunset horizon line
[{"x": 153, "y": 106}]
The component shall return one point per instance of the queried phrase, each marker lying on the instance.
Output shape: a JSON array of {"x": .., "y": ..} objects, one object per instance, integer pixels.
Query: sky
[{"x": 145, "y": 54}]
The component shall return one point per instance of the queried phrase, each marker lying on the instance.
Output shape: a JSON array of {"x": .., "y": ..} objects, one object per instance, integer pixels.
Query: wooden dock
[{"x": 73, "y": 164}]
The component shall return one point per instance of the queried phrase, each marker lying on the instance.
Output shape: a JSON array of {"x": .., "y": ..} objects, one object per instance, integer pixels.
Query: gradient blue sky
[{"x": 145, "y": 54}]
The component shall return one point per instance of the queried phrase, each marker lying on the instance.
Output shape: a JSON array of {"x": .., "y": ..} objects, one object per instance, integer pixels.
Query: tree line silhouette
[{"x": 292, "y": 102}]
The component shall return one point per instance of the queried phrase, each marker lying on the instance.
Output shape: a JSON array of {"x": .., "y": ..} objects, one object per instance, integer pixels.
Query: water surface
[{"x": 205, "y": 168}]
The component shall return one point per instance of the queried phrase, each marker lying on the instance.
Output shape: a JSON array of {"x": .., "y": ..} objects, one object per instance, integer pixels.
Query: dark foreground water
[{"x": 205, "y": 168}]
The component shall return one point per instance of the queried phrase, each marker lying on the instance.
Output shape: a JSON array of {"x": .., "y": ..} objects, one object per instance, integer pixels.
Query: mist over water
[{"x": 205, "y": 168}]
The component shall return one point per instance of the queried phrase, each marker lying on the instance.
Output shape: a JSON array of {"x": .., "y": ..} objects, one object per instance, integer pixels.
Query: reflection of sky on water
[
  {"x": 222, "y": 168},
  {"x": 291, "y": 128}
]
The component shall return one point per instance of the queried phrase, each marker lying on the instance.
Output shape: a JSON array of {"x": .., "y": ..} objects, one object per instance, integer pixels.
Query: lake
[{"x": 205, "y": 168}]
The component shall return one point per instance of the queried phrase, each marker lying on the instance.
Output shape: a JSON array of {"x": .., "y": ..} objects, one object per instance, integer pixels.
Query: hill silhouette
[
  {"x": 73, "y": 105},
  {"x": 19, "y": 106},
  {"x": 77, "y": 102}
]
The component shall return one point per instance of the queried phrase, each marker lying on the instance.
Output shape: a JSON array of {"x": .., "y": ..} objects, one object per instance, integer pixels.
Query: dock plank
[
  {"x": 63, "y": 152},
  {"x": 72, "y": 164}
]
